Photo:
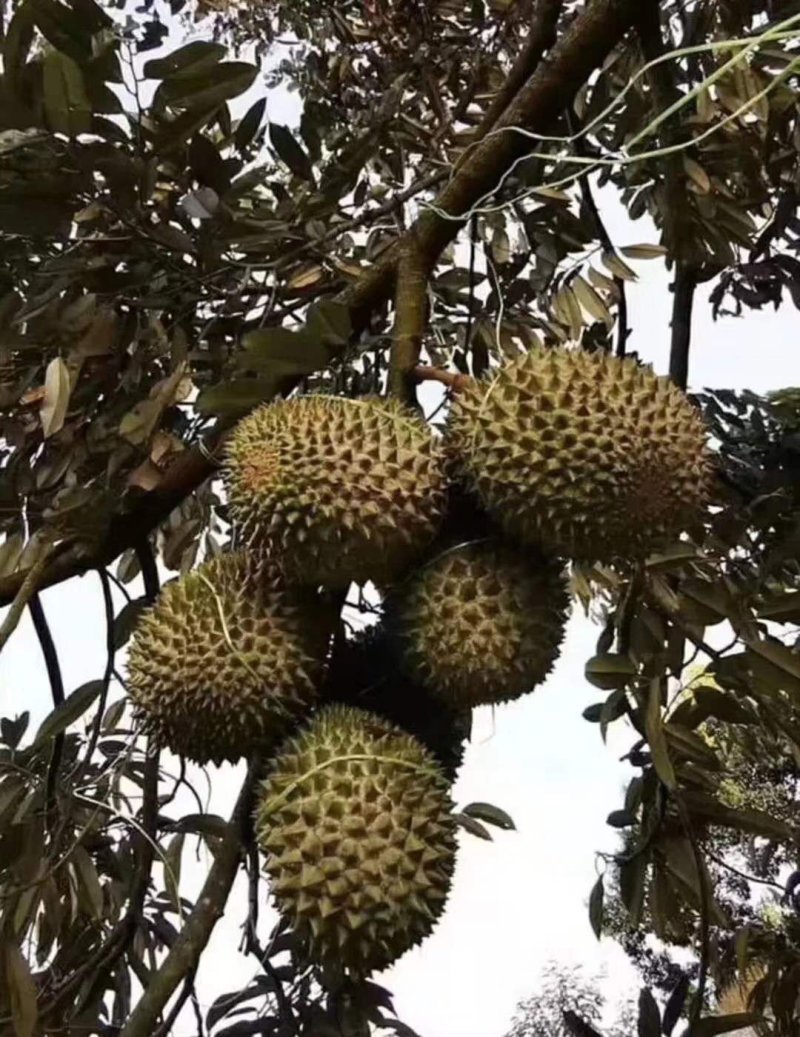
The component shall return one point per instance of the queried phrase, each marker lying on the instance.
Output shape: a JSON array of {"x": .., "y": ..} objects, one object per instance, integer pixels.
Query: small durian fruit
[
  {"x": 226, "y": 660},
  {"x": 587, "y": 455},
  {"x": 338, "y": 490},
  {"x": 364, "y": 672},
  {"x": 356, "y": 823},
  {"x": 481, "y": 623}
]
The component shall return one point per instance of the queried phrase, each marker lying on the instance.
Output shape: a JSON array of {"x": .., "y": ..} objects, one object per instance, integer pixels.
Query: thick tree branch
[
  {"x": 536, "y": 106},
  {"x": 682, "y": 306},
  {"x": 411, "y": 306},
  {"x": 193, "y": 937}
]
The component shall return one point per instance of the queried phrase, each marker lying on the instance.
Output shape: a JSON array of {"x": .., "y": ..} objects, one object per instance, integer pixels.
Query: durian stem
[
  {"x": 209, "y": 908},
  {"x": 454, "y": 380},
  {"x": 411, "y": 312}
]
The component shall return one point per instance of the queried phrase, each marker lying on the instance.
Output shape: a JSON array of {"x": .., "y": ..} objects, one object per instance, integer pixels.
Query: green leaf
[
  {"x": 196, "y": 56},
  {"x": 594, "y": 712},
  {"x": 714, "y": 703},
  {"x": 654, "y": 732},
  {"x": 643, "y": 251},
  {"x": 283, "y": 351},
  {"x": 674, "y": 1005},
  {"x": 249, "y": 124},
  {"x": 237, "y": 398},
  {"x": 193, "y": 90},
  {"x": 66, "y": 104},
  {"x": 705, "y": 808},
  {"x": 781, "y": 608},
  {"x": 716, "y": 1024},
  {"x": 126, "y": 620},
  {"x": 200, "y": 824},
  {"x": 596, "y": 898},
  {"x": 89, "y": 882},
  {"x": 491, "y": 815},
  {"x": 62, "y": 28},
  {"x": 172, "y": 869},
  {"x": 21, "y": 991},
  {"x": 777, "y": 662},
  {"x": 632, "y": 875},
  {"x": 74, "y": 706},
  {"x": 472, "y": 826},
  {"x": 610, "y": 671},
  {"x": 330, "y": 322},
  {"x": 621, "y": 819},
  {"x": 649, "y": 1021},
  {"x": 290, "y": 152}
]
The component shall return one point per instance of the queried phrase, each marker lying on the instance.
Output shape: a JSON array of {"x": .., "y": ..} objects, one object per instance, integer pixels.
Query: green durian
[
  {"x": 481, "y": 623},
  {"x": 338, "y": 490},
  {"x": 587, "y": 455},
  {"x": 356, "y": 823},
  {"x": 227, "y": 660}
]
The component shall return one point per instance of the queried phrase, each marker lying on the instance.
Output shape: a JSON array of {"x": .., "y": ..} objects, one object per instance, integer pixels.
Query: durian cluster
[{"x": 559, "y": 455}]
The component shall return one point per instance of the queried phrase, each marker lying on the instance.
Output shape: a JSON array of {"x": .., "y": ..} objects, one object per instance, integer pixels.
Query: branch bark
[
  {"x": 411, "y": 306},
  {"x": 193, "y": 937},
  {"x": 682, "y": 308},
  {"x": 540, "y": 101}
]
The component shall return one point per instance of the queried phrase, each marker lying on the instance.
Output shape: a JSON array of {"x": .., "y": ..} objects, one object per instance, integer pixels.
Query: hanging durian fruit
[
  {"x": 481, "y": 623},
  {"x": 356, "y": 824},
  {"x": 339, "y": 490},
  {"x": 364, "y": 672},
  {"x": 588, "y": 455},
  {"x": 226, "y": 660}
]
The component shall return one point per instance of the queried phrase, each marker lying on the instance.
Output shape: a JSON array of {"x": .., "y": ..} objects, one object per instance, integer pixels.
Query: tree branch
[
  {"x": 537, "y": 106},
  {"x": 193, "y": 937},
  {"x": 541, "y": 37},
  {"x": 452, "y": 379},
  {"x": 682, "y": 306},
  {"x": 108, "y": 607},
  {"x": 411, "y": 312}
]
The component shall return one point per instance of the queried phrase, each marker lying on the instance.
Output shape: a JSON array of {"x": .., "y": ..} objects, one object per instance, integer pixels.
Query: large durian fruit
[
  {"x": 339, "y": 490},
  {"x": 364, "y": 673},
  {"x": 481, "y": 623},
  {"x": 355, "y": 820},
  {"x": 585, "y": 454},
  {"x": 227, "y": 660}
]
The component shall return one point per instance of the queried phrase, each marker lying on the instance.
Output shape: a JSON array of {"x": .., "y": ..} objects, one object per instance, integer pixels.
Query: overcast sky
[{"x": 521, "y": 900}]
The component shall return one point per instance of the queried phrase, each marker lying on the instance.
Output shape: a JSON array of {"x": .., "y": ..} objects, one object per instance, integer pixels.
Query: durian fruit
[
  {"x": 364, "y": 672},
  {"x": 585, "y": 454},
  {"x": 356, "y": 823},
  {"x": 339, "y": 490},
  {"x": 481, "y": 623},
  {"x": 226, "y": 660}
]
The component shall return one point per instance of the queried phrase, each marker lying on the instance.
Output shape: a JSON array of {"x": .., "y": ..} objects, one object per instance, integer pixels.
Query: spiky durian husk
[
  {"x": 226, "y": 660},
  {"x": 481, "y": 623},
  {"x": 339, "y": 490},
  {"x": 365, "y": 673},
  {"x": 585, "y": 454},
  {"x": 356, "y": 824}
]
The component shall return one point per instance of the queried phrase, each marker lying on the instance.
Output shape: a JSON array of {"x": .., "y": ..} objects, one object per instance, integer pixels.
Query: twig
[
  {"x": 477, "y": 368},
  {"x": 742, "y": 874},
  {"x": 185, "y": 953},
  {"x": 108, "y": 606},
  {"x": 165, "y": 1029},
  {"x": 411, "y": 307},
  {"x": 47, "y": 645},
  {"x": 147, "y": 563}
]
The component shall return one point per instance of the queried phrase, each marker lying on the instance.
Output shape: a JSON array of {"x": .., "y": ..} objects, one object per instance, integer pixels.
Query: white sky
[{"x": 521, "y": 900}]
